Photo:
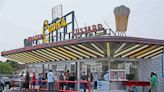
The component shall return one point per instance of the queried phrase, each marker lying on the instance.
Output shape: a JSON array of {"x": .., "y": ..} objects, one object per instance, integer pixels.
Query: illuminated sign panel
[
  {"x": 55, "y": 26},
  {"x": 87, "y": 30},
  {"x": 63, "y": 29},
  {"x": 35, "y": 38}
]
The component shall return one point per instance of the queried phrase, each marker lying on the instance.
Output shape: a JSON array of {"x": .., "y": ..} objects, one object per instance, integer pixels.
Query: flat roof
[{"x": 88, "y": 48}]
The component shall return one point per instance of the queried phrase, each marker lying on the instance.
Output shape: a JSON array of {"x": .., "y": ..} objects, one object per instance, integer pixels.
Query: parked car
[
  {"x": 14, "y": 82},
  {"x": 6, "y": 81},
  {"x": 2, "y": 85}
]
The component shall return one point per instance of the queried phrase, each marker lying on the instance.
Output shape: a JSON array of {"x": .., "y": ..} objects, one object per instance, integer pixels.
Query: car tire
[
  {"x": 1, "y": 88},
  {"x": 7, "y": 86}
]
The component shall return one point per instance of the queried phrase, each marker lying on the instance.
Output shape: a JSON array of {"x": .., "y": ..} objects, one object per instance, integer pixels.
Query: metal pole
[{"x": 78, "y": 74}]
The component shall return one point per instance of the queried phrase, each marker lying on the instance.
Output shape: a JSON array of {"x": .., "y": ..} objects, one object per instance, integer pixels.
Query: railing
[
  {"x": 73, "y": 82},
  {"x": 56, "y": 85}
]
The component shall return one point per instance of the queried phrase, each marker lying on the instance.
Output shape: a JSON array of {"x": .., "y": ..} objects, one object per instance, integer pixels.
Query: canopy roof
[{"x": 89, "y": 48}]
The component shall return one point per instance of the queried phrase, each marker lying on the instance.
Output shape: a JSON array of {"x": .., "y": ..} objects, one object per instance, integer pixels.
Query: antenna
[{"x": 109, "y": 28}]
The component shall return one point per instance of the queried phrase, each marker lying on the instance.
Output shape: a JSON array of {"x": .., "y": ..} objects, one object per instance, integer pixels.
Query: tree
[
  {"x": 5, "y": 68},
  {"x": 14, "y": 65}
]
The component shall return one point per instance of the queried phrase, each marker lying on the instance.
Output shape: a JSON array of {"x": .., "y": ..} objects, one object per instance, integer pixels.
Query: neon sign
[
  {"x": 87, "y": 30},
  {"x": 35, "y": 38},
  {"x": 55, "y": 26}
]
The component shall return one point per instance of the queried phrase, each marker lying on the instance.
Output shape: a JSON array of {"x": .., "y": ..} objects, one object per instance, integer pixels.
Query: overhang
[{"x": 89, "y": 48}]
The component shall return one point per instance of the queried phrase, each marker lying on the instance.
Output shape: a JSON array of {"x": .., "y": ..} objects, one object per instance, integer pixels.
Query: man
[
  {"x": 84, "y": 77},
  {"x": 21, "y": 81},
  {"x": 154, "y": 82},
  {"x": 50, "y": 77}
]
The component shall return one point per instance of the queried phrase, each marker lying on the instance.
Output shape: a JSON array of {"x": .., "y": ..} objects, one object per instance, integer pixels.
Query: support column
[
  {"x": 43, "y": 70},
  {"x": 108, "y": 49},
  {"x": 78, "y": 74},
  {"x": 108, "y": 55}
]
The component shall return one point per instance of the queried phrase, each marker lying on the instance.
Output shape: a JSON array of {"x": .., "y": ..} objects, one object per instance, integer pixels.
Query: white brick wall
[{"x": 148, "y": 66}]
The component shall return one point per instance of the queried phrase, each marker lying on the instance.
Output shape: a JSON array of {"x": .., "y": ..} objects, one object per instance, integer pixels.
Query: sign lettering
[
  {"x": 86, "y": 30},
  {"x": 55, "y": 26}
]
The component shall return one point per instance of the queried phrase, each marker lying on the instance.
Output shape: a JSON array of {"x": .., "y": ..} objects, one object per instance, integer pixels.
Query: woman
[
  {"x": 72, "y": 77},
  {"x": 33, "y": 80},
  {"x": 91, "y": 82},
  {"x": 26, "y": 84}
]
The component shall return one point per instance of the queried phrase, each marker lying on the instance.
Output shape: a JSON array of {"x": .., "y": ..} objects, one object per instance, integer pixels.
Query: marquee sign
[
  {"x": 87, "y": 30},
  {"x": 35, "y": 38},
  {"x": 58, "y": 29},
  {"x": 54, "y": 26}
]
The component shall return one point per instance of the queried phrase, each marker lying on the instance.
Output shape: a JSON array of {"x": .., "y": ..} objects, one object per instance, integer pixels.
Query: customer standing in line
[
  {"x": 50, "y": 77},
  {"x": 153, "y": 82},
  {"x": 21, "y": 81},
  {"x": 27, "y": 80},
  {"x": 84, "y": 77},
  {"x": 91, "y": 79},
  {"x": 33, "y": 80}
]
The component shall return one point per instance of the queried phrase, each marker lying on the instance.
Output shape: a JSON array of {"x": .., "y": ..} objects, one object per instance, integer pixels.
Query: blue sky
[{"x": 20, "y": 19}]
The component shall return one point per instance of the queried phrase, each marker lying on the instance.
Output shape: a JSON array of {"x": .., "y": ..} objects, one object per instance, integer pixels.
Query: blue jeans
[
  {"x": 21, "y": 85},
  {"x": 50, "y": 86}
]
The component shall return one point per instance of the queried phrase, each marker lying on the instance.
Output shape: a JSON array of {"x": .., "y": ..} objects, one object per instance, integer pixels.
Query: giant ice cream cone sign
[{"x": 121, "y": 17}]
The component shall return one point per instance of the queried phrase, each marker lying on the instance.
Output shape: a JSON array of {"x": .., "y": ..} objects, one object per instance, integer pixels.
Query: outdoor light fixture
[
  {"x": 76, "y": 51},
  {"x": 64, "y": 53},
  {"x": 153, "y": 54},
  {"x": 129, "y": 49},
  {"x": 134, "y": 51},
  {"x": 90, "y": 50},
  {"x": 96, "y": 47},
  {"x": 56, "y": 53},
  {"x": 73, "y": 54},
  {"x": 83, "y": 51},
  {"x": 150, "y": 52},
  {"x": 122, "y": 46}
]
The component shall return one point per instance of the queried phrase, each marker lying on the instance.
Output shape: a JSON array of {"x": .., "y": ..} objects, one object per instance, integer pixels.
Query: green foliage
[
  {"x": 14, "y": 65},
  {"x": 5, "y": 68}
]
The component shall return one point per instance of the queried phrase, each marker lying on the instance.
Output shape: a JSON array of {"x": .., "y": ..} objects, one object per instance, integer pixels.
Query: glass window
[{"x": 117, "y": 70}]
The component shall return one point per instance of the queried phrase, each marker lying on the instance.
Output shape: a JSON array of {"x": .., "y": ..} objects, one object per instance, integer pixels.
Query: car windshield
[{"x": 16, "y": 77}]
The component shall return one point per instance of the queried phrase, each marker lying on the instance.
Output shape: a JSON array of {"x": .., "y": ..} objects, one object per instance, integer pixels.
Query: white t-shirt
[{"x": 50, "y": 77}]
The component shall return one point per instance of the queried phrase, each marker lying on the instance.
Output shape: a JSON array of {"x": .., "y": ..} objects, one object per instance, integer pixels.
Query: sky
[{"x": 20, "y": 19}]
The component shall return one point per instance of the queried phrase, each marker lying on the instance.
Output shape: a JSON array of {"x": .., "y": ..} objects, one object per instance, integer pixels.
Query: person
[
  {"x": 61, "y": 79},
  {"x": 106, "y": 76},
  {"x": 153, "y": 82},
  {"x": 84, "y": 77},
  {"x": 96, "y": 78},
  {"x": 65, "y": 79},
  {"x": 26, "y": 84},
  {"x": 21, "y": 81},
  {"x": 72, "y": 77},
  {"x": 50, "y": 77},
  {"x": 33, "y": 80},
  {"x": 91, "y": 79},
  {"x": 39, "y": 80}
]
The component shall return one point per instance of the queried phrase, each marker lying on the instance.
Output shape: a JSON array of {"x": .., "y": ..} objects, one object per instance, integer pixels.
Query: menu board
[
  {"x": 117, "y": 75},
  {"x": 60, "y": 67},
  {"x": 113, "y": 75},
  {"x": 96, "y": 67}
]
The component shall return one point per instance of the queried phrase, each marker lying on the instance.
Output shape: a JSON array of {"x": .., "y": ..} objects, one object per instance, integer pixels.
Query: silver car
[{"x": 2, "y": 85}]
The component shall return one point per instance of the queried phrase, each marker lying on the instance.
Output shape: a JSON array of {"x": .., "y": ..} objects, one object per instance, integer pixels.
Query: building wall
[{"x": 148, "y": 66}]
